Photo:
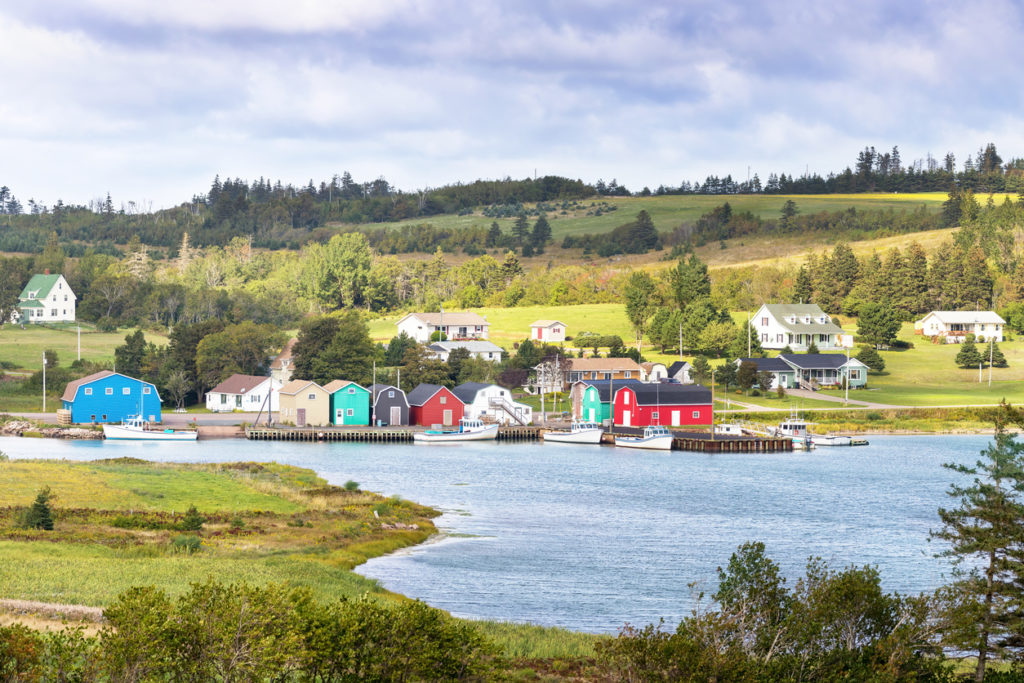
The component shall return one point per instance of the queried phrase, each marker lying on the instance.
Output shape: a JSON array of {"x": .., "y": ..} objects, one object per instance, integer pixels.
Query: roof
[
  {"x": 39, "y": 286},
  {"x": 818, "y": 361},
  {"x": 286, "y": 354},
  {"x": 467, "y": 391},
  {"x": 423, "y": 393},
  {"x": 30, "y": 303},
  {"x": 471, "y": 346},
  {"x": 782, "y": 311},
  {"x": 674, "y": 369},
  {"x": 592, "y": 364},
  {"x": 963, "y": 317},
  {"x": 72, "y": 387},
  {"x": 297, "y": 385},
  {"x": 603, "y": 386},
  {"x": 377, "y": 389},
  {"x": 238, "y": 384},
  {"x": 446, "y": 319},
  {"x": 769, "y": 364},
  {"x": 670, "y": 394},
  {"x": 546, "y": 323},
  {"x": 649, "y": 366}
]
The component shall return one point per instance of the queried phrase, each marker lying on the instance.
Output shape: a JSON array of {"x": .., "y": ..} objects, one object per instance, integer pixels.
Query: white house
[
  {"x": 653, "y": 372},
  {"x": 955, "y": 325},
  {"x": 547, "y": 331},
  {"x": 492, "y": 402},
  {"x": 680, "y": 372},
  {"x": 246, "y": 393},
  {"x": 454, "y": 326},
  {"x": 489, "y": 351},
  {"x": 281, "y": 368},
  {"x": 45, "y": 299},
  {"x": 795, "y": 326}
]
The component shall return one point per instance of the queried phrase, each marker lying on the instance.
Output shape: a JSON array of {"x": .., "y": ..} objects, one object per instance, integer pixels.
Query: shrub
[
  {"x": 187, "y": 544},
  {"x": 874, "y": 416},
  {"x": 40, "y": 515},
  {"x": 351, "y": 485},
  {"x": 192, "y": 521}
]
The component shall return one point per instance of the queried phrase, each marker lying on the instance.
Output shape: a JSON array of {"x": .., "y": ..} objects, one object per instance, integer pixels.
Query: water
[{"x": 588, "y": 537}]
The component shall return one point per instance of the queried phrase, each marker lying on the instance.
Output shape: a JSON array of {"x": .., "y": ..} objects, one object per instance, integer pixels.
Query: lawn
[{"x": 24, "y": 347}]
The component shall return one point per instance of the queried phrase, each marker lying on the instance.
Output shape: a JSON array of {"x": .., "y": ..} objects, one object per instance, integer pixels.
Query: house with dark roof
[
  {"x": 592, "y": 399},
  {"x": 493, "y": 403},
  {"x": 671, "y": 405},
  {"x": 110, "y": 397},
  {"x": 796, "y": 326},
  {"x": 389, "y": 406},
  {"x": 783, "y": 373},
  {"x": 249, "y": 393},
  {"x": 45, "y": 299},
  {"x": 433, "y": 404},
  {"x": 826, "y": 369},
  {"x": 680, "y": 372}
]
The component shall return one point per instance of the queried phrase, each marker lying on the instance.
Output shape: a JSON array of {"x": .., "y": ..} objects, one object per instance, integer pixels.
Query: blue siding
[
  {"x": 100, "y": 406},
  {"x": 358, "y": 401}
]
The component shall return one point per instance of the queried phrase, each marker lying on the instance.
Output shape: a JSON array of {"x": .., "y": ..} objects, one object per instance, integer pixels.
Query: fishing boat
[
  {"x": 579, "y": 432},
  {"x": 796, "y": 429},
  {"x": 468, "y": 430},
  {"x": 137, "y": 428},
  {"x": 656, "y": 438},
  {"x": 831, "y": 440},
  {"x": 726, "y": 429}
]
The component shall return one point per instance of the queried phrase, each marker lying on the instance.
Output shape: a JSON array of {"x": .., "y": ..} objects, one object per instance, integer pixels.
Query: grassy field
[{"x": 24, "y": 347}]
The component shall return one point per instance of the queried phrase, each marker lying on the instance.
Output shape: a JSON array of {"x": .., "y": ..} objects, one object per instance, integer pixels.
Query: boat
[
  {"x": 137, "y": 428},
  {"x": 726, "y": 429},
  {"x": 656, "y": 438},
  {"x": 831, "y": 440},
  {"x": 468, "y": 430},
  {"x": 579, "y": 432},
  {"x": 796, "y": 429}
]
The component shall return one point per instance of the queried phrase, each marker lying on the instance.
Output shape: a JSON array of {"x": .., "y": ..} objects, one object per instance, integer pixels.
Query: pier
[
  {"x": 702, "y": 442},
  {"x": 369, "y": 434}
]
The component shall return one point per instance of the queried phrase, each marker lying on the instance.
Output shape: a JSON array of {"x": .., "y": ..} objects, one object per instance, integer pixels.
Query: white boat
[
  {"x": 655, "y": 438},
  {"x": 137, "y": 428},
  {"x": 831, "y": 440},
  {"x": 468, "y": 430},
  {"x": 726, "y": 429},
  {"x": 579, "y": 432},
  {"x": 796, "y": 429}
]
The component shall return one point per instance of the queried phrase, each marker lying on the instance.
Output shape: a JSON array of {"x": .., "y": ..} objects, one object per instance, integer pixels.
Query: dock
[
  {"x": 369, "y": 434},
  {"x": 702, "y": 442}
]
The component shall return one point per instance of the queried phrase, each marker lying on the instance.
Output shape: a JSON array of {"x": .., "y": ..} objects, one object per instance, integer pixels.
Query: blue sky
[{"x": 148, "y": 100}]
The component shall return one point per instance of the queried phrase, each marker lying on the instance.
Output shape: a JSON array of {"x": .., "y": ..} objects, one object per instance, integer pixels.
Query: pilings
[{"x": 328, "y": 434}]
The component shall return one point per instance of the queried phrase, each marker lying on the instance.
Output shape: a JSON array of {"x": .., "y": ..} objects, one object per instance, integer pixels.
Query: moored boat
[
  {"x": 136, "y": 428},
  {"x": 468, "y": 430},
  {"x": 579, "y": 432},
  {"x": 655, "y": 438},
  {"x": 831, "y": 440},
  {"x": 796, "y": 429},
  {"x": 727, "y": 429}
]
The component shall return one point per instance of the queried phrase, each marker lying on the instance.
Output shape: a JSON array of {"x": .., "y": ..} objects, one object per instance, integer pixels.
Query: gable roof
[
  {"x": 674, "y": 369},
  {"x": 424, "y": 392},
  {"x": 546, "y": 323},
  {"x": 72, "y": 387},
  {"x": 467, "y": 391},
  {"x": 39, "y": 286},
  {"x": 782, "y": 311},
  {"x": 768, "y": 364},
  {"x": 602, "y": 364},
  {"x": 377, "y": 389},
  {"x": 339, "y": 384},
  {"x": 670, "y": 394},
  {"x": 649, "y": 366},
  {"x": 297, "y": 385},
  {"x": 239, "y": 384},
  {"x": 447, "y": 319},
  {"x": 604, "y": 386},
  {"x": 818, "y": 361},
  {"x": 966, "y": 317},
  {"x": 286, "y": 354}
]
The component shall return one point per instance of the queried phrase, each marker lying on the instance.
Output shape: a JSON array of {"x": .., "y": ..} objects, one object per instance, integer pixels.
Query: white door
[
  {"x": 675, "y": 418},
  {"x": 625, "y": 418},
  {"x": 396, "y": 415},
  {"x": 593, "y": 416},
  {"x": 446, "y": 418}
]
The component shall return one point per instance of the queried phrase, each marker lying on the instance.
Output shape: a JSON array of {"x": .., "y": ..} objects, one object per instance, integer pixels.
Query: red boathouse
[
  {"x": 432, "y": 404},
  {"x": 669, "y": 405}
]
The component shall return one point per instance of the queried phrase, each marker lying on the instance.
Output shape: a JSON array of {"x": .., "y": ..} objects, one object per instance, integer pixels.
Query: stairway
[{"x": 509, "y": 408}]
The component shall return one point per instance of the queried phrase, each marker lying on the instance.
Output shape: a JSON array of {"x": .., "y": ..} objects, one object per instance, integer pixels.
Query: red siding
[
  {"x": 432, "y": 412},
  {"x": 643, "y": 416}
]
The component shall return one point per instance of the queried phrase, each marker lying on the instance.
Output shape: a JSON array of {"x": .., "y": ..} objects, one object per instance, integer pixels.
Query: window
[
  {"x": 778, "y": 338},
  {"x": 696, "y": 414},
  {"x": 391, "y": 394},
  {"x": 65, "y": 297},
  {"x": 125, "y": 391},
  {"x": 627, "y": 374},
  {"x": 349, "y": 412},
  {"x": 854, "y": 374},
  {"x": 311, "y": 397},
  {"x": 109, "y": 391},
  {"x": 53, "y": 312},
  {"x": 223, "y": 399},
  {"x": 145, "y": 390},
  {"x": 764, "y": 322},
  {"x": 88, "y": 391},
  {"x": 654, "y": 415},
  {"x": 444, "y": 400},
  {"x": 764, "y": 336},
  {"x": 351, "y": 391},
  {"x": 92, "y": 418},
  {"x": 625, "y": 398},
  {"x": 104, "y": 416},
  {"x": 604, "y": 375}
]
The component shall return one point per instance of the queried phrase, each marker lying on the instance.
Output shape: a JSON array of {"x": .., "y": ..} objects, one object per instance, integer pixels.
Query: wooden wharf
[
  {"x": 702, "y": 442},
  {"x": 369, "y": 434}
]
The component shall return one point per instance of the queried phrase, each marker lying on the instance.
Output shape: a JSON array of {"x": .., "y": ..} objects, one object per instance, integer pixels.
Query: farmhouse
[
  {"x": 390, "y": 406},
  {"x": 680, "y": 372},
  {"x": 454, "y": 326},
  {"x": 282, "y": 367},
  {"x": 954, "y": 326},
  {"x": 45, "y": 299},
  {"x": 242, "y": 392},
  {"x": 432, "y": 404},
  {"x": 672, "y": 405},
  {"x": 547, "y": 331},
  {"x": 591, "y": 399},
  {"x": 350, "y": 403},
  {"x": 110, "y": 397},
  {"x": 826, "y": 369},
  {"x": 304, "y": 404},
  {"x": 796, "y": 326},
  {"x": 493, "y": 403},
  {"x": 486, "y": 350}
]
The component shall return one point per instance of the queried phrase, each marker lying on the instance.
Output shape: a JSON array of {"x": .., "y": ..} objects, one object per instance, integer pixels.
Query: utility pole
[
  {"x": 373, "y": 399},
  {"x": 748, "y": 334},
  {"x": 79, "y": 342},
  {"x": 846, "y": 380},
  {"x": 712, "y": 404},
  {"x": 991, "y": 347},
  {"x": 44, "y": 381}
]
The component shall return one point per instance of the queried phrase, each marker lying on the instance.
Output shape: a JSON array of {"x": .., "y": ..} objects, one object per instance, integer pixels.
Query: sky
[{"x": 148, "y": 100}]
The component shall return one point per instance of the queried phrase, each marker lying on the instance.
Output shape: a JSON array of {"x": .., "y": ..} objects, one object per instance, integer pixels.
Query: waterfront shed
[
  {"x": 431, "y": 404},
  {"x": 591, "y": 399},
  {"x": 493, "y": 402},
  {"x": 110, "y": 397},
  {"x": 390, "y": 406},
  {"x": 350, "y": 403},
  {"x": 304, "y": 403},
  {"x": 671, "y": 405}
]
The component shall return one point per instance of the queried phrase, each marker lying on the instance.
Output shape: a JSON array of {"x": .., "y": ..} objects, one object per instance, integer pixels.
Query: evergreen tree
[
  {"x": 700, "y": 373},
  {"x": 40, "y": 514},
  {"x": 951, "y": 207},
  {"x": 786, "y": 349},
  {"x": 803, "y": 287},
  {"x": 494, "y": 236},
  {"x": 541, "y": 233},
  {"x": 726, "y": 375},
  {"x": 997, "y": 357},
  {"x": 915, "y": 293},
  {"x": 746, "y": 375},
  {"x": 747, "y": 343},
  {"x": 968, "y": 356},
  {"x": 871, "y": 358},
  {"x": 642, "y": 234},
  {"x": 521, "y": 229},
  {"x": 396, "y": 349},
  {"x": 812, "y": 349},
  {"x": 510, "y": 268},
  {"x": 192, "y": 521},
  {"x": 128, "y": 357},
  {"x": 878, "y": 324},
  {"x": 690, "y": 281},
  {"x": 641, "y": 302}
]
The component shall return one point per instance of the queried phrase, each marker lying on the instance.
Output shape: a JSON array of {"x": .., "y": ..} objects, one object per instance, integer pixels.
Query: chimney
[{"x": 46, "y": 272}]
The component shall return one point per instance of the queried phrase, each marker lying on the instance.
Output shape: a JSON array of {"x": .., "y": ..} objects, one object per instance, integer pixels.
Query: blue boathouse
[{"x": 110, "y": 397}]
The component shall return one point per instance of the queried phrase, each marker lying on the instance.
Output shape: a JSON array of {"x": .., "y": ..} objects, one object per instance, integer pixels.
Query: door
[
  {"x": 238, "y": 401},
  {"x": 676, "y": 419},
  {"x": 625, "y": 418},
  {"x": 593, "y": 415},
  {"x": 446, "y": 418},
  {"x": 339, "y": 417},
  {"x": 396, "y": 415},
  {"x": 300, "y": 417}
]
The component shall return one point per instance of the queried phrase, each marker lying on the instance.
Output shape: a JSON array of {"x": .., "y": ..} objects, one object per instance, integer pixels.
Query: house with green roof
[
  {"x": 796, "y": 326},
  {"x": 45, "y": 299}
]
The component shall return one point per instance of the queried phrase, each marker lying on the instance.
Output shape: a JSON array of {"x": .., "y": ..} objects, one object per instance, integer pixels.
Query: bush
[
  {"x": 192, "y": 521},
  {"x": 187, "y": 544},
  {"x": 351, "y": 485}
]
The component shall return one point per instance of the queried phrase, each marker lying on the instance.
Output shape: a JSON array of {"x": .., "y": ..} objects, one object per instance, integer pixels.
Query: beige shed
[{"x": 305, "y": 404}]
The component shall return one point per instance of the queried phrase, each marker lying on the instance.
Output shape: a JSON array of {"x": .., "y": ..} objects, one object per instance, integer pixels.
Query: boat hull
[
  {"x": 486, "y": 434},
  {"x": 657, "y": 443},
  {"x": 831, "y": 440},
  {"x": 591, "y": 436},
  {"x": 117, "y": 432}
]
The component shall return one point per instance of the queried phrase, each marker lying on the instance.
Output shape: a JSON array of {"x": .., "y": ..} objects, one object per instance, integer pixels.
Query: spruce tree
[
  {"x": 812, "y": 349},
  {"x": 803, "y": 288},
  {"x": 541, "y": 233},
  {"x": 968, "y": 356},
  {"x": 700, "y": 373},
  {"x": 915, "y": 296},
  {"x": 871, "y": 358},
  {"x": 997, "y": 357},
  {"x": 40, "y": 514}
]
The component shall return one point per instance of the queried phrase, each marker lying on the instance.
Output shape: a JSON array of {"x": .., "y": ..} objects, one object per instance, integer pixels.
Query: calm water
[{"x": 591, "y": 537}]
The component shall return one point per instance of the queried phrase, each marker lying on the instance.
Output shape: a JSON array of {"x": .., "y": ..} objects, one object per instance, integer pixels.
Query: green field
[{"x": 24, "y": 347}]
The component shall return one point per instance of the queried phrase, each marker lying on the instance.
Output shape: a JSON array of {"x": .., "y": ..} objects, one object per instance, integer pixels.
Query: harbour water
[{"x": 589, "y": 538}]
